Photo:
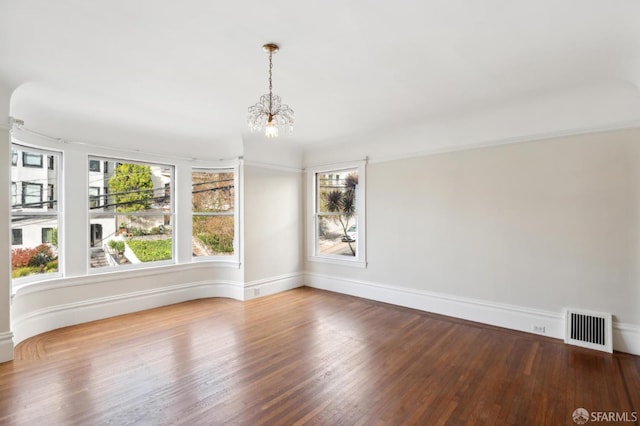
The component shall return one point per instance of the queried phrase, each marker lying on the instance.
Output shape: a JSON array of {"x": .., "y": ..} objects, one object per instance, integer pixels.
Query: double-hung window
[
  {"x": 337, "y": 228},
  {"x": 133, "y": 224},
  {"x": 214, "y": 207},
  {"x": 35, "y": 215}
]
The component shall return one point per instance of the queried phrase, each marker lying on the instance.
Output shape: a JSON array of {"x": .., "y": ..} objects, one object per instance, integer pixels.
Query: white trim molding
[
  {"x": 272, "y": 166},
  {"x": 273, "y": 285},
  {"x": 490, "y": 143},
  {"x": 6, "y": 346},
  {"x": 626, "y": 337},
  {"x": 57, "y": 316},
  {"x": 313, "y": 214}
]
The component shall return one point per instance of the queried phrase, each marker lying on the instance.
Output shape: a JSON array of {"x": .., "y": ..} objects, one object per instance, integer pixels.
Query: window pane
[
  {"x": 14, "y": 195},
  {"x": 30, "y": 159},
  {"x": 130, "y": 210},
  {"x": 136, "y": 187},
  {"x": 94, "y": 197},
  {"x": 16, "y": 237},
  {"x": 337, "y": 192},
  {"x": 47, "y": 235},
  {"x": 34, "y": 220},
  {"x": 31, "y": 195},
  {"x": 212, "y": 235},
  {"x": 33, "y": 257},
  {"x": 337, "y": 235},
  {"x": 35, "y": 189},
  {"x": 212, "y": 191},
  {"x": 51, "y": 195},
  {"x": 117, "y": 240}
]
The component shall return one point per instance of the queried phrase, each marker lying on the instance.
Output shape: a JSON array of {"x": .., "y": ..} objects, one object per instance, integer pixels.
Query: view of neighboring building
[
  {"x": 115, "y": 215},
  {"x": 34, "y": 209}
]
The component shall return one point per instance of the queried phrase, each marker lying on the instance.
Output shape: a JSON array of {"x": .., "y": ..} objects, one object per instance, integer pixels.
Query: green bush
[
  {"x": 24, "y": 271},
  {"x": 40, "y": 259},
  {"x": 138, "y": 232},
  {"x": 215, "y": 232},
  {"x": 116, "y": 245},
  {"x": 51, "y": 266},
  {"x": 217, "y": 243},
  {"x": 151, "y": 251}
]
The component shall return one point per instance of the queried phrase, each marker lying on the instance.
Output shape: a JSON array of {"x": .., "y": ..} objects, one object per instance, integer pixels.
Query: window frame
[
  {"x": 49, "y": 210},
  {"x": 99, "y": 211},
  {"x": 313, "y": 254},
  {"x": 233, "y": 259}
]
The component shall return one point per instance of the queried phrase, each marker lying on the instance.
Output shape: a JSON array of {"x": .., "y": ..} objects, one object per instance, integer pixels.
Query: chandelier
[{"x": 270, "y": 114}]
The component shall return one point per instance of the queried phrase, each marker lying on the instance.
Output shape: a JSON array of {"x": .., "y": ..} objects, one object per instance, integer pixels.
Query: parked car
[{"x": 351, "y": 234}]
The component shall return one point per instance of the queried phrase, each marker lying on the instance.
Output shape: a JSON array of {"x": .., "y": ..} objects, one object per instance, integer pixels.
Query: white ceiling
[{"x": 187, "y": 71}]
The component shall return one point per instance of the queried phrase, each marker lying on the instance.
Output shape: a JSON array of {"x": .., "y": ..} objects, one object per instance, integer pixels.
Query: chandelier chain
[{"x": 270, "y": 83}]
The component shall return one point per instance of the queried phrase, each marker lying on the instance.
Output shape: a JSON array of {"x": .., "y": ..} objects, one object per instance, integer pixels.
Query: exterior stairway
[{"x": 98, "y": 258}]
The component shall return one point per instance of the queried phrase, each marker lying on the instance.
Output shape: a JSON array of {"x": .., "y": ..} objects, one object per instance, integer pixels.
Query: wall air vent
[{"x": 588, "y": 329}]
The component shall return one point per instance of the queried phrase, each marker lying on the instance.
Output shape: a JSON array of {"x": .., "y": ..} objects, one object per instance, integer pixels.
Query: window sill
[
  {"x": 219, "y": 262},
  {"x": 338, "y": 261}
]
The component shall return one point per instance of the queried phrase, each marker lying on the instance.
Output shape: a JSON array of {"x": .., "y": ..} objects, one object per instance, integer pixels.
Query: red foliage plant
[{"x": 21, "y": 257}]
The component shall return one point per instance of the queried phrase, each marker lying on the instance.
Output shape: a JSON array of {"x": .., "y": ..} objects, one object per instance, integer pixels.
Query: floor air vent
[{"x": 588, "y": 329}]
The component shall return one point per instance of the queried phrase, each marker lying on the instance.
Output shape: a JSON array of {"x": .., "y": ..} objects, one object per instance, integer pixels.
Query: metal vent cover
[{"x": 588, "y": 329}]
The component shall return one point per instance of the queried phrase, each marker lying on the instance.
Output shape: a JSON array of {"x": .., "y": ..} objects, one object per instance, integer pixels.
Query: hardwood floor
[{"x": 306, "y": 357}]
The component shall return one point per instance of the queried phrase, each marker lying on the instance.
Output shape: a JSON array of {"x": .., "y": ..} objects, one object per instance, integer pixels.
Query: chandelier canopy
[{"x": 270, "y": 114}]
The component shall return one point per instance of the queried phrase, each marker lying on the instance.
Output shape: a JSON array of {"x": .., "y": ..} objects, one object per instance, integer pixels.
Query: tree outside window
[
  {"x": 336, "y": 206},
  {"x": 131, "y": 213}
]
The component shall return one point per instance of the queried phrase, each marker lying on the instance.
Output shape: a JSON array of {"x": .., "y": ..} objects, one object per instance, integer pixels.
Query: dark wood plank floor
[{"x": 306, "y": 357}]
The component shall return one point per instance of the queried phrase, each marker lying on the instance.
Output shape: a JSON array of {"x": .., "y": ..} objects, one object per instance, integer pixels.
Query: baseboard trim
[
  {"x": 626, "y": 337},
  {"x": 6, "y": 346},
  {"x": 272, "y": 285},
  {"x": 51, "y": 318},
  {"x": 502, "y": 315}
]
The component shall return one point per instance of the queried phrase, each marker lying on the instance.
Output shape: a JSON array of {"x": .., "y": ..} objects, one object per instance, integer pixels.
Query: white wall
[
  {"x": 530, "y": 227},
  {"x": 47, "y": 305},
  {"x": 273, "y": 229},
  {"x": 6, "y": 337}
]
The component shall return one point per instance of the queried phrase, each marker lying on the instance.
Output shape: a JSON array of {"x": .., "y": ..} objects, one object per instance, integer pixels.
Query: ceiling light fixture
[{"x": 270, "y": 114}]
